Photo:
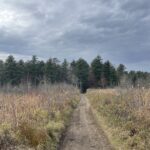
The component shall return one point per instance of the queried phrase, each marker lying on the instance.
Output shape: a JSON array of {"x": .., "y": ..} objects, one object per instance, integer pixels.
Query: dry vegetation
[
  {"x": 35, "y": 119},
  {"x": 124, "y": 115}
]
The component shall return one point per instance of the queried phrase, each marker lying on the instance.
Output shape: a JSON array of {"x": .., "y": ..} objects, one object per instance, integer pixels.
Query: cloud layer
[{"x": 116, "y": 30}]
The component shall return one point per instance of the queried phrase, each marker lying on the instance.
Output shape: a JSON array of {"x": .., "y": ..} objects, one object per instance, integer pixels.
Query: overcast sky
[{"x": 118, "y": 30}]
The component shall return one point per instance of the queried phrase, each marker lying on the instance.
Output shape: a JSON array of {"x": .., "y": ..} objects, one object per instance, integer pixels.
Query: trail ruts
[{"x": 83, "y": 134}]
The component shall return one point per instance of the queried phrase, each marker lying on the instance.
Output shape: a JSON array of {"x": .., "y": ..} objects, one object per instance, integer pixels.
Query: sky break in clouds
[{"x": 117, "y": 30}]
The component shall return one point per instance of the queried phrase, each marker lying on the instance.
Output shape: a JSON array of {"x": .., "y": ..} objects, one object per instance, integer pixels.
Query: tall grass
[
  {"x": 35, "y": 118},
  {"x": 125, "y": 114}
]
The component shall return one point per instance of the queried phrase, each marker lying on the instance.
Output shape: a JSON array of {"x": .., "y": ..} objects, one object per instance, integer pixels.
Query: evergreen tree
[
  {"x": 53, "y": 70},
  {"x": 2, "y": 74},
  {"x": 120, "y": 72},
  {"x": 41, "y": 70},
  {"x": 82, "y": 73},
  {"x": 107, "y": 73},
  {"x": 11, "y": 71},
  {"x": 21, "y": 71},
  {"x": 73, "y": 76},
  {"x": 33, "y": 71},
  {"x": 92, "y": 81},
  {"x": 113, "y": 76},
  {"x": 97, "y": 69},
  {"x": 65, "y": 76}
]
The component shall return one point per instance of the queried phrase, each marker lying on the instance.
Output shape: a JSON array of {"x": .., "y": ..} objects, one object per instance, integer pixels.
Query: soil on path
[{"x": 83, "y": 133}]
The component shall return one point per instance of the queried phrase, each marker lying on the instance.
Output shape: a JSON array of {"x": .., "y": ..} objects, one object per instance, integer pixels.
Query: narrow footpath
[{"x": 83, "y": 134}]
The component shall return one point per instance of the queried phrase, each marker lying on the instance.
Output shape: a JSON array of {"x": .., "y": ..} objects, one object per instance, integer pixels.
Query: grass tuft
[
  {"x": 36, "y": 119},
  {"x": 125, "y": 115}
]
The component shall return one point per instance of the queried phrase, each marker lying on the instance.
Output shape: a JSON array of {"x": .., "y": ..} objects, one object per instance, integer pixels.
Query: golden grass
[
  {"x": 36, "y": 118},
  {"x": 125, "y": 116}
]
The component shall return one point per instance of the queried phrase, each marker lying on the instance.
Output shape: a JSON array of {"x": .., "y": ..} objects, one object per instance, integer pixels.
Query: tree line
[{"x": 79, "y": 72}]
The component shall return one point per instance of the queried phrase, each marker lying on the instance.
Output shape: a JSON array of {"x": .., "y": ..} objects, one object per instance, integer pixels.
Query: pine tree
[
  {"x": 34, "y": 71},
  {"x": 107, "y": 73},
  {"x": 73, "y": 76},
  {"x": 82, "y": 73},
  {"x": 65, "y": 76},
  {"x": 97, "y": 69},
  {"x": 120, "y": 72},
  {"x": 21, "y": 71},
  {"x": 2, "y": 73},
  {"x": 113, "y": 76},
  {"x": 11, "y": 71},
  {"x": 53, "y": 71}
]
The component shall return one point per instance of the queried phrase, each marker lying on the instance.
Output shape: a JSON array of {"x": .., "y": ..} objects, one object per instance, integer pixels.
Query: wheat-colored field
[
  {"x": 125, "y": 116},
  {"x": 37, "y": 118}
]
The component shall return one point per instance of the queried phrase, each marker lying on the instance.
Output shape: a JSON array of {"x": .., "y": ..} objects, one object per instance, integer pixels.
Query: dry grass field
[
  {"x": 124, "y": 115},
  {"x": 35, "y": 119}
]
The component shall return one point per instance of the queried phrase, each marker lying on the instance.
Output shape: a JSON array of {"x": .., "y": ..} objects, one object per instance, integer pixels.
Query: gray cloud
[{"x": 116, "y": 30}]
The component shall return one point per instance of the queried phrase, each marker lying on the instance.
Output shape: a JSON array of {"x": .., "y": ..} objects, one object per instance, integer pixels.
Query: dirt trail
[{"x": 83, "y": 133}]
